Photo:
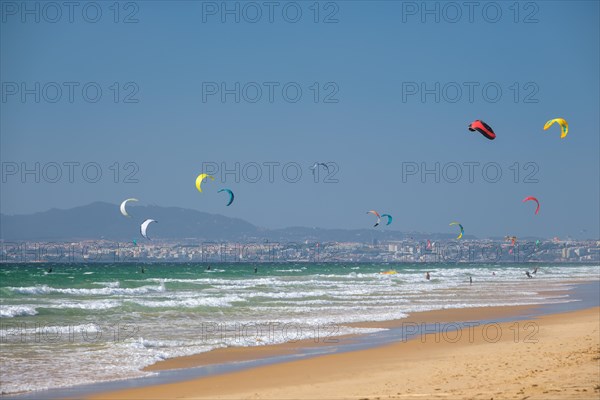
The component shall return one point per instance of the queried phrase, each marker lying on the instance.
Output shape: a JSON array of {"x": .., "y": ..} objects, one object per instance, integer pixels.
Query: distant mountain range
[{"x": 101, "y": 220}]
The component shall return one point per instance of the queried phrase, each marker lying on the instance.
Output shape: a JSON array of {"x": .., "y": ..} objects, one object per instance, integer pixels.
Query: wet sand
[
  {"x": 555, "y": 356},
  {"x": 236, "y": 354}
]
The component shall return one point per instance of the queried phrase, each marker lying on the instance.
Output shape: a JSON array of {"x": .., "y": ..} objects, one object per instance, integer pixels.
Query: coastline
[
  {"x": 240, "y": 354},
  {"x": 555, "y": 355},
  {"x": 227, "y": 362}
]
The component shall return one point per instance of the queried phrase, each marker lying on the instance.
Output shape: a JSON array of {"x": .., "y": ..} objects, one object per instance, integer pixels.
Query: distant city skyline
[{"x": 397, "y": 251}]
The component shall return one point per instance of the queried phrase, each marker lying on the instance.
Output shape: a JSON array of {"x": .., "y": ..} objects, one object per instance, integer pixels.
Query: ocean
[{"x": 88, "y": 323}]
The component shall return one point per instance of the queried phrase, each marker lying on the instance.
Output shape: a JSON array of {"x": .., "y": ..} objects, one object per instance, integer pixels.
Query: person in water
[
  {"x": 255, "y": 270},
  {"x": 143, "y": 270},
  {"x": 535, "y": 270},
  {"x": 50, "y": 270},
  {"x": 528, "y": 274},
  {"x": 208, "y": 268},
  {"x": 427, "y": 276},
  {"x": 470, "y": 280}
]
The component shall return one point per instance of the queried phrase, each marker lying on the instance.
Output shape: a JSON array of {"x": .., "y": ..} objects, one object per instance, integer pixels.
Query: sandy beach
[
  {"x": 236, "y": 354},
  {"x": 554, "y": 356}
]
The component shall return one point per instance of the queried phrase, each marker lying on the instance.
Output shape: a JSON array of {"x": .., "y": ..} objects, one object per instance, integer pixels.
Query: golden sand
[{"x": 553, "y": 357}]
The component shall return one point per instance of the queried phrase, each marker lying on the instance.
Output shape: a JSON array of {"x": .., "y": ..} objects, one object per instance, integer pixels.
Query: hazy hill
[{"x": 104, "y": 221}]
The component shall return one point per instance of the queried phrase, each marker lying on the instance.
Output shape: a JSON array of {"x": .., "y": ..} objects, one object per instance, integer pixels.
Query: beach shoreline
[
  {"x": 553, "y": 356},
  {"x": 450, "y": 315},
  {"x": 201, "y": 369},
  {"x": 241, "y": 354}
]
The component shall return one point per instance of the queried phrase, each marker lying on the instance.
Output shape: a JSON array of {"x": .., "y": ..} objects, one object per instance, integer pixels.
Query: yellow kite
[
  {"x": 200, "y": 178},
  {"x": 564, "y": 126}
]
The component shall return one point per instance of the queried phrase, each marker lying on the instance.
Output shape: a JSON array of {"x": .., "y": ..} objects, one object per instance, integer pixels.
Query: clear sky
[{"x": 367, "y": 71}]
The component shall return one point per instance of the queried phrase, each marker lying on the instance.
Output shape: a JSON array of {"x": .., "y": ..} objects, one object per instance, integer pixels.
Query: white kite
[
  {"x": 123, "y": 210},
  {"x": 144, "y": 227}
]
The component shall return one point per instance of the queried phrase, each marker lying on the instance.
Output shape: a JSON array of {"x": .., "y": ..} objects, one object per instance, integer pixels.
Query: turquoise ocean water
[{"x": 85, "y": 323}]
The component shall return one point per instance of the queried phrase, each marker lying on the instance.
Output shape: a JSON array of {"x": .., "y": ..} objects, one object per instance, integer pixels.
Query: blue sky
[{"x": 373, "y": 53}]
